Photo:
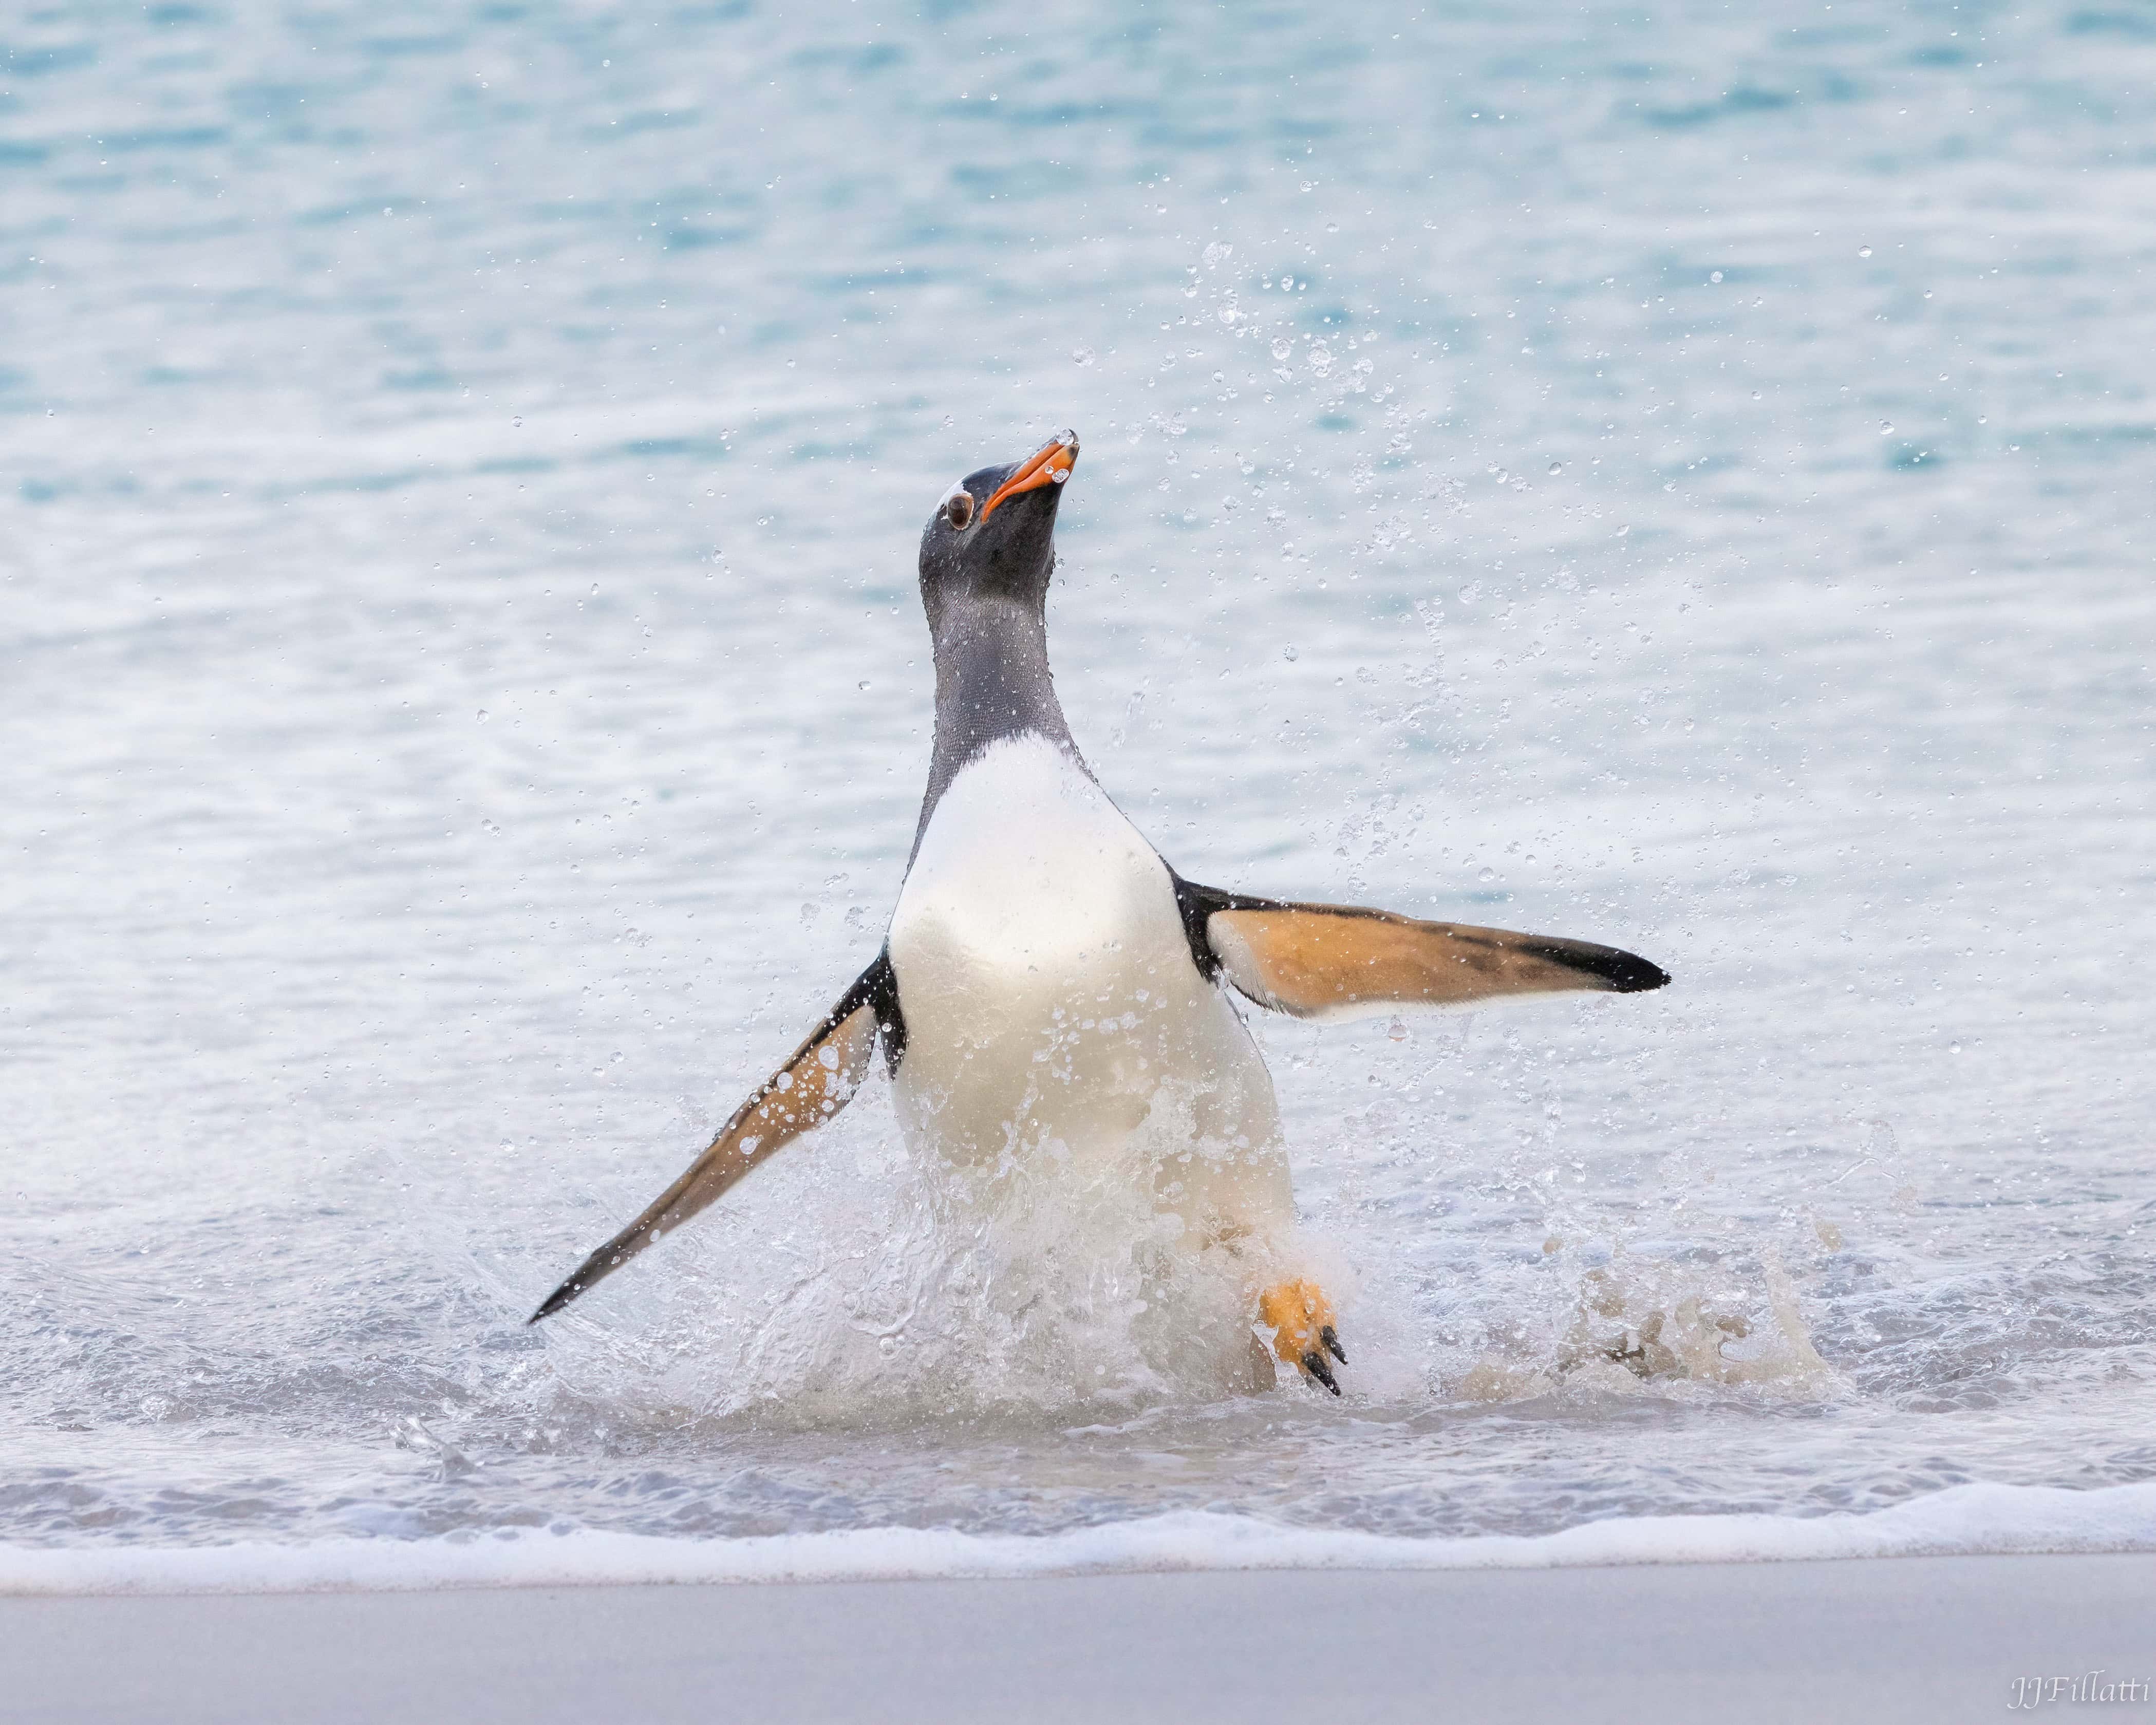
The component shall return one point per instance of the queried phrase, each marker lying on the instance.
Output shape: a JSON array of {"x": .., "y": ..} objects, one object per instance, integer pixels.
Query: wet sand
[{"x": 1915, "y": 1639}]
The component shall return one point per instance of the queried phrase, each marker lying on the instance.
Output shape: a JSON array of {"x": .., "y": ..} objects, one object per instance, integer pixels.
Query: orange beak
[{"x": 1050, "y": 467}]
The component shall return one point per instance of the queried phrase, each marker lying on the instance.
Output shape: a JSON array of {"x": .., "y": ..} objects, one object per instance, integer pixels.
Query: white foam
[{"x": 1971, "y": 1519}]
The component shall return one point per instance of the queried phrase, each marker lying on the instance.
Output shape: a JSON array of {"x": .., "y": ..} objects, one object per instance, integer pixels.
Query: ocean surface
[{"x": 1679, "y": 477}]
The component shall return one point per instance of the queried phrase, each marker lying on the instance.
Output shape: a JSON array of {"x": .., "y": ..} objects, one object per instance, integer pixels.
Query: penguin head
[{"x": 993, "y": 533}]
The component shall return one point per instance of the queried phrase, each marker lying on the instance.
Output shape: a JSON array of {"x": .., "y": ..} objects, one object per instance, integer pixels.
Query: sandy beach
[{"x": 1910, "y": 1639}]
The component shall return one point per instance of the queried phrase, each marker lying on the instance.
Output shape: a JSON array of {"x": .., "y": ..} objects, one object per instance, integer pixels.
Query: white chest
[{"x": 1048, "y": 986}]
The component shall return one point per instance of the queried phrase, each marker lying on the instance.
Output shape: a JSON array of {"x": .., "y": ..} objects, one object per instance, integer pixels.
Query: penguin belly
[{"x": 1057, "y": 1023}]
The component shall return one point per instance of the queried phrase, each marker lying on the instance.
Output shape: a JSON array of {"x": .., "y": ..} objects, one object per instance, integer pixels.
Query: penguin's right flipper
[
  {"x": 1340, "y": 962},
  {"x": 819, "y": 1078}
]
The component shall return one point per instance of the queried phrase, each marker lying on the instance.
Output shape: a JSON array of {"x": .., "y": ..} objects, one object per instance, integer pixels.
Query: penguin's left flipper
[
  {"x": 819, "y": 1079},
  {"x": 1341, "y": 962}
]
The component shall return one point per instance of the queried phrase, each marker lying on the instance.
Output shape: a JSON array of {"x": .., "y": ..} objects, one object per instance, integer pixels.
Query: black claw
[
  {"x": 1314, "y": 1364},
  {"x": 1331, "y": 1338}
]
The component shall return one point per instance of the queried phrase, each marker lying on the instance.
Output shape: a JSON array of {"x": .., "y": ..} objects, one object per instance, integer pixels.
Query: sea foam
[{"x": 1961, "y": 1520}]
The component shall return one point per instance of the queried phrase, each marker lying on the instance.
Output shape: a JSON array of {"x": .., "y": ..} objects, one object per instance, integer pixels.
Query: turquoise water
[{"x": 1664, "y": 477}]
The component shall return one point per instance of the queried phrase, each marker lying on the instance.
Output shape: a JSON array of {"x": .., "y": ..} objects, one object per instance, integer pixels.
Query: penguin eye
[{"x": 958, "y": 509}]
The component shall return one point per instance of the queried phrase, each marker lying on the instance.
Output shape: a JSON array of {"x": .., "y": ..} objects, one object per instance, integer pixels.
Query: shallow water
[{"x": 1667, "y": 478}]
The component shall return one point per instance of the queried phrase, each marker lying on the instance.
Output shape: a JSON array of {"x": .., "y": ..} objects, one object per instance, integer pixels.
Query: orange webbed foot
[{"x": 1301, "y": 1319}]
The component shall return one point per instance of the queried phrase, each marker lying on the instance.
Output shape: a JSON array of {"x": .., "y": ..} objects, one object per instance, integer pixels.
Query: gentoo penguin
[{"x": 1048, "y": 978}]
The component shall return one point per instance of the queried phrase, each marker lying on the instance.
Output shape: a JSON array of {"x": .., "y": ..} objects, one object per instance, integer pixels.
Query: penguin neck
[{"x": 992, "y": 682}]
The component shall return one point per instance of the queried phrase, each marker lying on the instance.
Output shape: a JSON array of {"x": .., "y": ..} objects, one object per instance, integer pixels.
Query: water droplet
[
  {"x": 1082, "y": 355},
  {"x": 1290, "y": 653},
  {"x": 1864, "y": 251},
  {"x": 1557, "y": 467},
  {"x": 863, "y": 683},
  {"x": 1715, "y": 276},
  {"x": 1486, "y": 876},
  {"x": 1886, "y": 428},
  {"x": 482, "y": 715},
  {"x": 518, "y": 422},
  {"x": 1282, "y": 347}
]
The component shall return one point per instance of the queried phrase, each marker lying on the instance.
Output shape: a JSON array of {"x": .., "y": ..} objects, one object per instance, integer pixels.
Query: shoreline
[
  {"x": 1972, "y": 1520},
  {"x": 1922, "y": 1639}
]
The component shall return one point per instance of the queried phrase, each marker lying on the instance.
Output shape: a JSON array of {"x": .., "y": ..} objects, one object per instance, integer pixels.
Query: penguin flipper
[
  {"x": 819, "y": 1080},
  {"x": 1342, "y": 961}
]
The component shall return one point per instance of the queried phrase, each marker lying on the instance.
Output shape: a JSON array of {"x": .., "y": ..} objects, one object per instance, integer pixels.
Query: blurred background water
[{"x": 1678, "y": 477}]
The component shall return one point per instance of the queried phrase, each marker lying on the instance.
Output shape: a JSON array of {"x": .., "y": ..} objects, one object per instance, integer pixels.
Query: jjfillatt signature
[{"x": 2029, "y": 1693}]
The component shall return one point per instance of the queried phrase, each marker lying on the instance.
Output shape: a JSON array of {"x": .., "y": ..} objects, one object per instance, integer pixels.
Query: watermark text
[{"x": 2089, "y": 1688}]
